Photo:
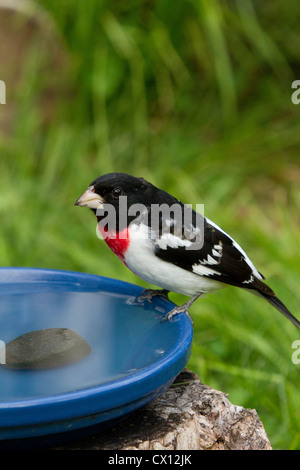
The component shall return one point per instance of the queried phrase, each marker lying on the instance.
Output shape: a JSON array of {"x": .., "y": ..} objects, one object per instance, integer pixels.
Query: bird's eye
[{"x": 117, "y": 192}]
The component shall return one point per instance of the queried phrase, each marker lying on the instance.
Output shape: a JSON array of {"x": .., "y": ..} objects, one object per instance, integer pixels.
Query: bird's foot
[
  {"x": 182, "y": 309},
  {"x": 148, "y": 294},
  {"x": 176, "y": 310}
]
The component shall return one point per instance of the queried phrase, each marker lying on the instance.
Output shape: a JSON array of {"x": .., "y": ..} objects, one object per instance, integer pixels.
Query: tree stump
[{"x": 188, "y": 416}]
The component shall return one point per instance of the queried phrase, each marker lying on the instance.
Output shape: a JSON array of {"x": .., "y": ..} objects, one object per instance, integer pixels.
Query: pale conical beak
[{"x": 90, "y": 199}]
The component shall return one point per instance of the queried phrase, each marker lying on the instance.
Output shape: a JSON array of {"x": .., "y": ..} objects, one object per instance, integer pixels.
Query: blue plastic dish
[{"x": 134, "y": 355}]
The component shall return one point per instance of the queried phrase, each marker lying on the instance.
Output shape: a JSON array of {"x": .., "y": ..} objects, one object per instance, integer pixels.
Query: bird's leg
[
  {"x": 149, "y": 293},
  {"x": 184, "y": 308}
]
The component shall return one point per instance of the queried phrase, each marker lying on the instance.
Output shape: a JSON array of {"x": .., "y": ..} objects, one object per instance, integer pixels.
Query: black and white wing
[{"x": 205, "y": 249}]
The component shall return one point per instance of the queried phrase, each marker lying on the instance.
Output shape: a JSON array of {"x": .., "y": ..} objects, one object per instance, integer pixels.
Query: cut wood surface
[{"x": 188, "y": 416}]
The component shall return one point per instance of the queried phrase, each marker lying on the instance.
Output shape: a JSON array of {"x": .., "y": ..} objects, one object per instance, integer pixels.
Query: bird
[{"x": 170, "y": 245}]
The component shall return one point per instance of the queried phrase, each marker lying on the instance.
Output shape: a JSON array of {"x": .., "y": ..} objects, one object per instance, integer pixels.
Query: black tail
[{"x": 281, "y": 307}]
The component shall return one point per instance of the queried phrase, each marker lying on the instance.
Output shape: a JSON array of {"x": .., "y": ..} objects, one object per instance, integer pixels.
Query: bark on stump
[{"x": 188, "y": 416}]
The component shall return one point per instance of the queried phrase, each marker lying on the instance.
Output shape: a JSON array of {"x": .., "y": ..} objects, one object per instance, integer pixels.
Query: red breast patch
[{"x": 118, "y": 242}]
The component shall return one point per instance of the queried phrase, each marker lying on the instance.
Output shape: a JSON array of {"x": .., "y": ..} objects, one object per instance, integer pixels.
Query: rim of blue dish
[{"x": 106, "y": 396}]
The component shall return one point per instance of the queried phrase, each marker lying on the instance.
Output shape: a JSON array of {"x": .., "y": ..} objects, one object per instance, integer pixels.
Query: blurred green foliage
[{"x": 195, "y": 96}]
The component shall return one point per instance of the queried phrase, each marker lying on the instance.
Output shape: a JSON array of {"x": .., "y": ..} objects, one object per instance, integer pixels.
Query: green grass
[{"x": 196, "y": 97}]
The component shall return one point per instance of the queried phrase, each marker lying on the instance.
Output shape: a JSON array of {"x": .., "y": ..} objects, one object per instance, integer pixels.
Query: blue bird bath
[{"x": 134, "y": 355}]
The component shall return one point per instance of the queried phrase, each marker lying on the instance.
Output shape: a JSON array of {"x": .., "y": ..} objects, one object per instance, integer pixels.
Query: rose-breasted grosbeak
[{"x": 178, "y": 250}]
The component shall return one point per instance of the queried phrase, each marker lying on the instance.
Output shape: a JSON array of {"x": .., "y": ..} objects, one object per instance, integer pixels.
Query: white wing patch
[
  {"x": 249, "y": 280},
  {"x": 171, "y": 241},
  {"x": 204, "y": 270},
  {"x": 216, "y": 254},
  {"x": 237, "y": 246},
  {"x": 210, "y": 260},
  {"x": 139, "y": 258},
  {"x": 218, "y": 249}
]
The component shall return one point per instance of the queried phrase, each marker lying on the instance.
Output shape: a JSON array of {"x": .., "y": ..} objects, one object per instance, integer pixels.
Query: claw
[
  {"x": 183, "y": 309},
  {"x": 176, "y": 311},
  {"x": 149, "y": 293}
]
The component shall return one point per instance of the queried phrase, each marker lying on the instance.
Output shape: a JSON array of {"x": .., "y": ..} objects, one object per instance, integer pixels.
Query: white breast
[{"x": 140, "y": 259}]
